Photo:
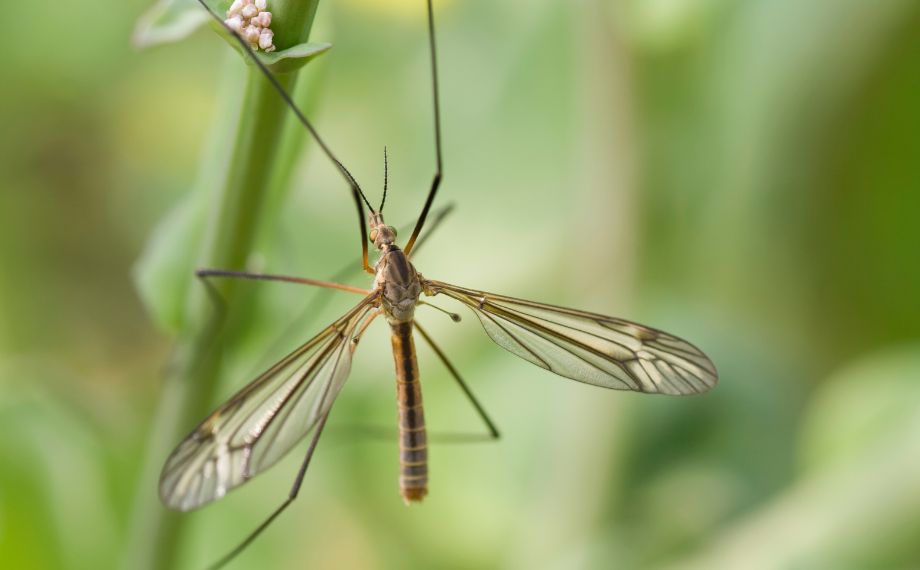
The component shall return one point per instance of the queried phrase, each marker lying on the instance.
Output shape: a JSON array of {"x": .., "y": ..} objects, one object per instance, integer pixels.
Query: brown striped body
[
  {"x": 413, "y": 444},
  {"x": 400, "y": 286}
]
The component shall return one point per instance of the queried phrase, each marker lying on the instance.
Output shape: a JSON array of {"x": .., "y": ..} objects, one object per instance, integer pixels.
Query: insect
[{"x": 262, "y": 422}]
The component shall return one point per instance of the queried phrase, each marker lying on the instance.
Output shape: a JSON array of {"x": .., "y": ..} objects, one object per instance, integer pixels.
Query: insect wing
[
  {"x": 591, "y": 348},
  {"x": 264, "y": 420}
]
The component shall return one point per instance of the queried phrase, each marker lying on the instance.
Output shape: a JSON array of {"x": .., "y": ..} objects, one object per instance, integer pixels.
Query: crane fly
[{"x": 262, "y": 422}]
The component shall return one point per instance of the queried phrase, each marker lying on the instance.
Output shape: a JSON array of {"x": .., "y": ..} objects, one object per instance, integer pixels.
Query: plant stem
[{"x": 154, "y": 534}]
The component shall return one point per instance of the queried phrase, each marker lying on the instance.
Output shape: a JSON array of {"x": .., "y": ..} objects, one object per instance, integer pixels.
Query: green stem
[{"x": 154, "y": 533}]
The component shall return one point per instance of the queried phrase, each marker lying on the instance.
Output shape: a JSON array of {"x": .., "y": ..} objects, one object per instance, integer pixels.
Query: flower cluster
[{"x": 251, "y": 20}]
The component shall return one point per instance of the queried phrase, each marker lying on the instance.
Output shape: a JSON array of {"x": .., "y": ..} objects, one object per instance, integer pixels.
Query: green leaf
[
  {"x": 168, "y": 21},
  {"x": 294, "y": 57},
  {"x": 164, "y": 271}
]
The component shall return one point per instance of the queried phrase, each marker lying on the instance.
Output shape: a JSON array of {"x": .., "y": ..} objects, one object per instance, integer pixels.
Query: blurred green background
[{"x": 743, "y": 174}]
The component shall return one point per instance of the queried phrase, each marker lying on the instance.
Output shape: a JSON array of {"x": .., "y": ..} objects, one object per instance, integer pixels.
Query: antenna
[
  {"x": 355, "y": 187},
  {"x": 436, "y": 182},
  {"x": 384, "y": 201}
]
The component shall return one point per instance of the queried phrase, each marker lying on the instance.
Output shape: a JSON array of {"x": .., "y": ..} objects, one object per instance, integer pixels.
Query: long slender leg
[
  {"x": 490, "y": 425},
  {"x": 295, "y": 489},
  {"x": 436, "y": 220},
  {"x": 436, "y": 182},
  {"x": 205, "y": 273},
  {"x": 356, "y": 192},
  {"x": 363, "y": 328}
]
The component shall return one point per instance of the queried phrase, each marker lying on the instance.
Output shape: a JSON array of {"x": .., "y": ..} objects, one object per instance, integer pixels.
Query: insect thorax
[{"x": 399, "y": 283}]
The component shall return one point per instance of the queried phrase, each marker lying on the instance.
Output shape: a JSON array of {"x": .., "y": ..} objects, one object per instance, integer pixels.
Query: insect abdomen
[{"x": 413, "y": 444}]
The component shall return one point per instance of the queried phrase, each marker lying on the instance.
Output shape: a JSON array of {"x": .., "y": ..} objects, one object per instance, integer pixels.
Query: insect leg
[
  {"x": 439, "y": 216},
  {"x": 206, "y": 273},
  {"x": 363, "y": 328},
  {"x": 295, "y": 489},
  {"x": 436, "y": 182},
  {"x": 490, "y": 425},
  {"x": 356, "y": 192}
]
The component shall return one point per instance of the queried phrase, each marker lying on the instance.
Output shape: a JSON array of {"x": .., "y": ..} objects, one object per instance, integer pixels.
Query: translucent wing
[
  {"x": 260, "y": 424},
  {"x": 591, "y": 348}
]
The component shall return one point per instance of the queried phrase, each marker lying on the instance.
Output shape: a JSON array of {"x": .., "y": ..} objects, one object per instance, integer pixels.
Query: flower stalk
[{"x": 233, "y": 220}]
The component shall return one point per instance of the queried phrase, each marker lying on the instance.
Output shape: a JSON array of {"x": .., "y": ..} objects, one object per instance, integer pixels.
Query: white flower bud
[
  {"x": 249, "y": 11},
  {"x": 235, "y": 23},
  {"x": 235, "y": 8},
  {"x": 251, "y": 35},
  {"x": 265, "y": 40},
  {"x": 261, "y": 5},
  {"x": 264, "y": 19}
]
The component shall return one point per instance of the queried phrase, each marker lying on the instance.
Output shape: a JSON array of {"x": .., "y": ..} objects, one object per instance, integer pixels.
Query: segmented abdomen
[{"x": 413, "y": 444}]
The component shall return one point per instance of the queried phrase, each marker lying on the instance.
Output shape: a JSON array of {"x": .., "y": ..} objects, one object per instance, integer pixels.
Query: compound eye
[
  {"x": 373, "y": 235},
  {"x": 392, "y": 229}
]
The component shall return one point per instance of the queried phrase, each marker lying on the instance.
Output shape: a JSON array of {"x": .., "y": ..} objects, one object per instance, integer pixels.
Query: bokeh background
[{"x": 743, "y": 174}]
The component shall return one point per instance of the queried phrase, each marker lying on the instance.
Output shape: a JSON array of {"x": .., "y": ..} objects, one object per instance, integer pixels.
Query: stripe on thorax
[
  {"x": 400, "y": 264},
  {"x": 413, "y": 450}
]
